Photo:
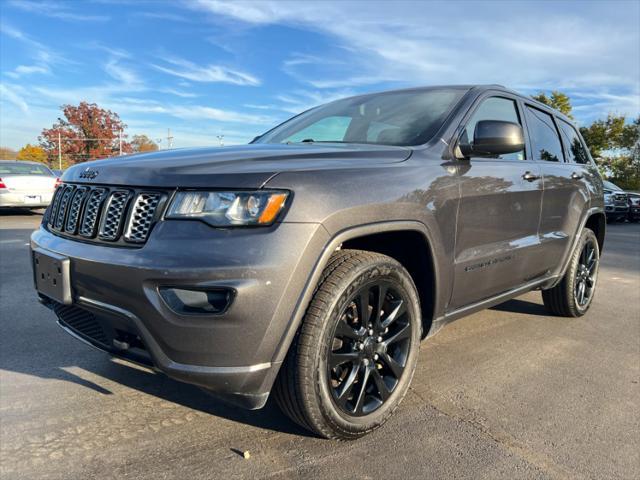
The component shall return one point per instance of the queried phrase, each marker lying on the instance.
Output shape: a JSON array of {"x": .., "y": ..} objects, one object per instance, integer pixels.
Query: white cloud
[
  {"x": 426, "y": 43},
  {"x": 252, "y": 12},
  {"x": 208, "y": 73},
  {"x": 44, "y": 56},
  {"x": 126, "y": 76},
  {"x": 21, "y": 70},
  {"x": 171, "y": 17},
  {"x": 196, "y": 112},
  {"x": 178, "y": 93},
  {"x": 10, "y": 94},
  {"x": 59, "y": 10}
]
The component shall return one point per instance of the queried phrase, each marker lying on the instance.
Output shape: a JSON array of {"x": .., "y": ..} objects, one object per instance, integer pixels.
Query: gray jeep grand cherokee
[{"x": 314, "y": 260}]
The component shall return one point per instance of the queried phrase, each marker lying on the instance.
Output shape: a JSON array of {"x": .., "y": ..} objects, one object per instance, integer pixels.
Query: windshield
[
  {"x": 611, "y": 186},
  {"x": 18, "y": 168},
  {"x": 396, "y": 118}
]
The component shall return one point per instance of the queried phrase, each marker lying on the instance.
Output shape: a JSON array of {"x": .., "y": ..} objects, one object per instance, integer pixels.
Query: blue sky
[{"x": 205, "y": 68}]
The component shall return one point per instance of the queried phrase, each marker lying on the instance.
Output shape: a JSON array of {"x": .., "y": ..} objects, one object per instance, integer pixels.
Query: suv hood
[{"x": 246, "y": 166}]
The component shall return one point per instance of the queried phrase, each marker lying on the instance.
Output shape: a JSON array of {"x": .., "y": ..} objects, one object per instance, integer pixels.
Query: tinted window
[
  {"x": 496, "y": 108},
  {"x": 544, "y": 136},
  {"x": 19, "y": 168},
  {"x": 408, "y": 117},
  {"x": 575, "y": 148}
]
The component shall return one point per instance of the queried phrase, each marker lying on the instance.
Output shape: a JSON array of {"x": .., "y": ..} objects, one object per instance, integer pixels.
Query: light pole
[
  {"x": 59, "y": 151},
  {"x": 220, "y": 139}
]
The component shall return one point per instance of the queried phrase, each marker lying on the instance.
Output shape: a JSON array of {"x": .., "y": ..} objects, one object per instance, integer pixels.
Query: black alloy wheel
[
  {"x": 370, "y": 347},
  {"x": 585, "y": 279}
]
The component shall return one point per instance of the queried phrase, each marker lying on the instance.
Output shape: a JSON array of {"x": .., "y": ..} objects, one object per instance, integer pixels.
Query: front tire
[
  {"x": 353, "y": 358},
  {"x": 573, "y": 296}
]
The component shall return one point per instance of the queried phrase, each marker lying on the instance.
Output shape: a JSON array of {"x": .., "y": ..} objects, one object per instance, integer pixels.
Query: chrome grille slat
[
  {"x": 142, "y": 215},
  {"x": 74, "y": 209},
  {"x": 54, "y": 205},
  {"x": 111, "y": 222},
  {"x": 92, "y": 212},
  {"x": 62, "y": 208}
]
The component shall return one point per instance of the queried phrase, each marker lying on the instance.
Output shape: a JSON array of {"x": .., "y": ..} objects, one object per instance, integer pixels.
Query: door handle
[
  {"x": 576, "y": 176},
  {"x": 530, "y": 177}
]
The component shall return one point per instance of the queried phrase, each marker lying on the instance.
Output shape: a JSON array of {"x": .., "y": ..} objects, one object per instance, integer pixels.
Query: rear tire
[
  {"x": 573, "y": 296},
  {"x": 353, "y": 358}
]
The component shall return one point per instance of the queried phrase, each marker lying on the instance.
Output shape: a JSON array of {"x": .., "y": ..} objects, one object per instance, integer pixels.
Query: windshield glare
[{"x": 395, "y": 118}]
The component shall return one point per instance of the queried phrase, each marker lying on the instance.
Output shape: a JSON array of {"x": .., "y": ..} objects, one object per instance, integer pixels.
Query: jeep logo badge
[{"x": 90, "y": 174}]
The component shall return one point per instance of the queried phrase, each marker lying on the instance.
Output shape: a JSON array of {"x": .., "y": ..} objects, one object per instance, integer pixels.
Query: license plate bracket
[{"x": 51, "y": 273}]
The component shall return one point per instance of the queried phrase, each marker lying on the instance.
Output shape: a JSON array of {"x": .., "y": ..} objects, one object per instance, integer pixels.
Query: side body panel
[{"x": 497, "y": 241}]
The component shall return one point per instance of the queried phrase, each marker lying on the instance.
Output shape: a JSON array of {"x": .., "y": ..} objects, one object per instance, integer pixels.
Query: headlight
[
  {"x": 228, "y": 209},
  {"x": 608, "y": 199}
]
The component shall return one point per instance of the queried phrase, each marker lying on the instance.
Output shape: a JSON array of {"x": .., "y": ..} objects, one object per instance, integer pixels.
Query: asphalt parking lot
[{"x": 506, "y": 393}]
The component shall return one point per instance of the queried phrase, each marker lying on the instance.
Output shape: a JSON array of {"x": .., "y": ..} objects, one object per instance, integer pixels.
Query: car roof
[{"x": 23, "y": 161}]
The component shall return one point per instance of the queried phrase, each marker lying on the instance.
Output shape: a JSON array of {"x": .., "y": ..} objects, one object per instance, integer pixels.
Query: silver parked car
[{"x": 26, "y": 184}]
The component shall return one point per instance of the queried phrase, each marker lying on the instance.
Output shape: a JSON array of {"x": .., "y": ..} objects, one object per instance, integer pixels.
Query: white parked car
[{"x": 26, "y": 184}]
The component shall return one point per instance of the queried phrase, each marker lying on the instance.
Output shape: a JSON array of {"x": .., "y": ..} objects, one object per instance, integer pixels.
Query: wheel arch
[
  {"x": 413, "y": 251},
  {"x": 597, "y": 222},
  {"x": 593, "y": 219},
  {"x": 361, "y": 235}
]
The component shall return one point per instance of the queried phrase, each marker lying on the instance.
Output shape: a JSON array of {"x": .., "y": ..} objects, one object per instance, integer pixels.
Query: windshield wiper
[{"x": 306, "y": 140}]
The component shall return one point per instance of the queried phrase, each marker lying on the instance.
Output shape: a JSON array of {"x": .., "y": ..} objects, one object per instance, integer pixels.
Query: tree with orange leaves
[{"x": 86, "y": 132}]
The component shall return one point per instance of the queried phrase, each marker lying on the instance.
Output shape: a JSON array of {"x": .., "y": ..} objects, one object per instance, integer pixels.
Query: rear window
[
  {"x": 24, "y": 169},
  {"x": 546, "y": 143},
  {"x": 576, "y": 151}
]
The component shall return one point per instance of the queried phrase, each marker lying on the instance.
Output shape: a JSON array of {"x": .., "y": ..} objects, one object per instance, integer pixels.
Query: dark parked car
[
  {"x": 312, "y": 262},
  {"x": 616, "y": 202},
  {"x": 634, "y": 206}
]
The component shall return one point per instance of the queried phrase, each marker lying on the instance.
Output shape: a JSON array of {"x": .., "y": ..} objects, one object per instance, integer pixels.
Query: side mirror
[{"x": 493, "y": 137}]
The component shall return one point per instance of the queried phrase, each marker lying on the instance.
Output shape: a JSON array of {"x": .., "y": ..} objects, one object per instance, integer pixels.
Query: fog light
[{"x": 186, "y": 301}]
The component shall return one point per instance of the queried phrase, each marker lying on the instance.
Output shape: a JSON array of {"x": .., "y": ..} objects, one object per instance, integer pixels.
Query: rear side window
[
  {"x": 544, "y": 136},
  {"x": 575, "y": 149},
  {"x": 18, "y": 168},
  {"x": 496, "y": 108}
]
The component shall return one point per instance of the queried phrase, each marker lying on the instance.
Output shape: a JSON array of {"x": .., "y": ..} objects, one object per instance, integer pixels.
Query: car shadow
[
  {"x": 143, "y": 380},
  {"x": 526, "y": 307},
  {"x": 21, "y": 212},
  {"x": 159, "y": 385}
]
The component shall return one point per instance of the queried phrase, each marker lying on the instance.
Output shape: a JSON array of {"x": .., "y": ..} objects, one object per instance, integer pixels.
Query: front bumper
[
  {"x": 232, "y": 354},
  {"x": 634, "y": 212},
  {"x": 616, "y": 210}
]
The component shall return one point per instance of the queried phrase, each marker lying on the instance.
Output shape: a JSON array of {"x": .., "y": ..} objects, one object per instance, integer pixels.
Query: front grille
[
  {"x": 74, "y": 210},
  {"x": 113, "y": 215},
  {"x": 620, "y": 199},
  {"x": 91, "y": 211},
  {"x": 81, "y": 322},
  {"x": 142, "y": 217},
  {"x": 102, "y": 214},
  {"x": 60, "y": 215}
]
